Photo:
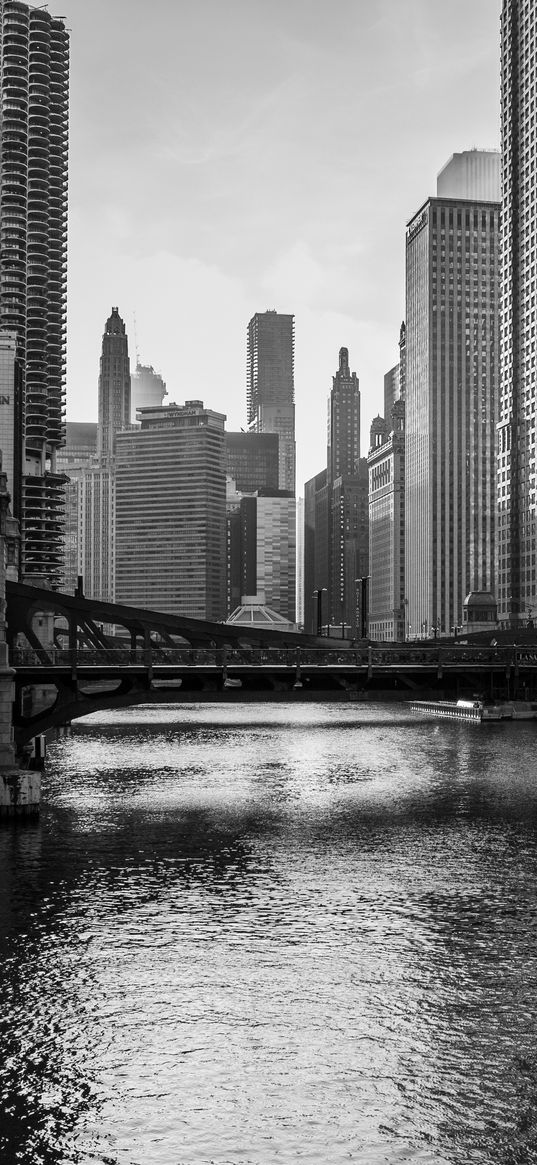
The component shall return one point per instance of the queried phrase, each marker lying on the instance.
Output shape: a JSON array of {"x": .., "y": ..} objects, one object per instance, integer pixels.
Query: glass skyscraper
[{"x": 270, "y": 386}]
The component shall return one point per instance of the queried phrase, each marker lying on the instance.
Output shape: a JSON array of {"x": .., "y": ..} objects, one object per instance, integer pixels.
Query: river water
[{"x": 249, "y": 934}]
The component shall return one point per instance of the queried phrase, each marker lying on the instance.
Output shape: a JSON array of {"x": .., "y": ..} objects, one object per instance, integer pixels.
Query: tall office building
[
  {"x": 270, "y": 387},
  {"x": 114, "y": 386},
  {"x": 262, "y": 556},
  {"x": 336, "y": 527},
  {"x": 74, "y": 460},
  {"x": 452, "y": 364},
  {"x": 348, "y": 531},
  {"x": 386, "y": 464},
  {"x": 517, "y": 436},
  {"x": 317, "y": 573},
  {"x": 343, "y": 421},
  {"x": 147, "y": 389},
  {"x": 34, "y": 116},
  {"x": 170, "y": 512}
]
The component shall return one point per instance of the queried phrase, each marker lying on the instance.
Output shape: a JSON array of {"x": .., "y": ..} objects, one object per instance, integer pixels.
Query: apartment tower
[
  {"x": 517, "y": 436},
  {"x": 34, "y": 114},
  {"x": 452, "y": 366},
  {"x": 270, "y": 388}
]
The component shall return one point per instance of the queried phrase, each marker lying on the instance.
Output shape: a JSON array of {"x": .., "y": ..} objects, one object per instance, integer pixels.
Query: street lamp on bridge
[{"x": 318, "y": 593}]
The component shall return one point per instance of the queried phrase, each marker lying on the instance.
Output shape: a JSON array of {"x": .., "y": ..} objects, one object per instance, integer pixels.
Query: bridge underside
[{"x": 63, "y": 697}]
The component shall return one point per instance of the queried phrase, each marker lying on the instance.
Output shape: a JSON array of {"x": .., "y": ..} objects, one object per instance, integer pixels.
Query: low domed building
[
  {"x": 253, "y": 613},
  {"x": 479, "y": 611}
]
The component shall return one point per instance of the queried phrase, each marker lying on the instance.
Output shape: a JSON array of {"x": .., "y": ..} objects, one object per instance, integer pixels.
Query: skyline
[{"x": 269, "y": 171}]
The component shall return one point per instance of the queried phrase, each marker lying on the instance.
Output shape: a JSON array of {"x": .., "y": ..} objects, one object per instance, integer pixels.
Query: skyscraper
[
  {"x": 170, "y": 512},
  {"x": 517, "y": 434},
  {"x": 114, "y": 386},
  {"x": 270, "y": 388},
  {"x": 452, "y": 358},
  {"x": 147, "y": 389},
  {"x": 336, "y": 527},
  {"x": 386, "y": 462},
  {"x": 33, "y": 227},
  {"x": 343, "y": 421}
]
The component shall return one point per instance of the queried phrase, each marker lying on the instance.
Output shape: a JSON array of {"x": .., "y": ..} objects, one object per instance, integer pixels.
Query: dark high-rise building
[
  {"x": 170, "y": 512},
  {"x": 252, "y": 461},
  {"x": 316, "y": 549},
  {"x": 517, "y": 433},
  {"x": 114, "y": 386},
  {"x": 270, "y": 385},
  {"x": 452, "y": 359},
  {"x": 343, "y": 421},
  {"x": 349, "y": 545},
  {"x": 34, "y": 116},
  {"x": 336, "y": 527}
]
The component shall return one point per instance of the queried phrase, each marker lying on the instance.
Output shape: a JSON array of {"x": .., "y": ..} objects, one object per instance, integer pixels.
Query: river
[{"x": 249, "y": 934}]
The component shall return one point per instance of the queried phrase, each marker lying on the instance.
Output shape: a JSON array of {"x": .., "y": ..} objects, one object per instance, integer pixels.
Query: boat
[
  {"x": 450, "y": 709},
  {"x": 476, "y": 710}
]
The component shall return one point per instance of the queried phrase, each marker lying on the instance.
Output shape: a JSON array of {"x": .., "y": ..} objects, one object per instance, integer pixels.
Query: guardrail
[{"x": 155, "y": 656}]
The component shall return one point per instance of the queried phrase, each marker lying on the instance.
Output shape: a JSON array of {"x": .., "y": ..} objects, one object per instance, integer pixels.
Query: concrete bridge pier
[{"x": 20, "y": 787}]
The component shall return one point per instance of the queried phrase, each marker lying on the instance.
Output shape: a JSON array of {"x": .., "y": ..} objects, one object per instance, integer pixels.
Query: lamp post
[{"x": 319, "y": 594}]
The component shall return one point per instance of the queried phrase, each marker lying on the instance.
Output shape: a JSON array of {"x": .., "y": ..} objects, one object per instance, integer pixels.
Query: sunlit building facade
[
  {"x": 170, "y": 512},
  {"x": 517, "y": 428},
  {"x": 452, "y": 368}
]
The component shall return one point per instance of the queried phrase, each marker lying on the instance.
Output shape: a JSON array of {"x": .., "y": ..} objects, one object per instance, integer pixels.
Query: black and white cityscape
[{"x": 268, "y": 653}]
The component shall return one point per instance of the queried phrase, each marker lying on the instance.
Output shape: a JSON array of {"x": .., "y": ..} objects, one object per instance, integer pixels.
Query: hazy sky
[{"x": 229, "y": 156}]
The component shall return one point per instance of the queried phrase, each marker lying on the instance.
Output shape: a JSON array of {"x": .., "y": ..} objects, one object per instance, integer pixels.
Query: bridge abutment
[{"x": 20, "y": 787}]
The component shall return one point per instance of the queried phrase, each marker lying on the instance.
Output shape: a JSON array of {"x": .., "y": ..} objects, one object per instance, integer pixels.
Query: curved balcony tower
[{"x": 34, "y": 48}]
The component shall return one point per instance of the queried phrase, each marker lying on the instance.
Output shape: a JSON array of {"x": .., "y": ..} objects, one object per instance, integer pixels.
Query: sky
[{"x": 230, "y": 156}]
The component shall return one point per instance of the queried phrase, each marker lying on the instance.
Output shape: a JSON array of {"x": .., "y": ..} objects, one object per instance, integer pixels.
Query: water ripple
[{"x": 244, "y": 935}]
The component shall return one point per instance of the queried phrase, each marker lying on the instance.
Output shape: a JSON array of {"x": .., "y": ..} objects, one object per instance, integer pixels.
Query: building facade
[
  {"x": 74, "y": 459},
  {"x": 34, "y": 115},
  {"x": 517, "y": 433},
  {"x": 349, "y": 546},
  {"x": 252, "y": 460},
  {"x": 147, "y": 389},
  {"x": 473, "y": 174},
  {"x": 386, "y": 465},
  {"x": 452, "y": 365},
  {"x": 94, "y": 490},
  {"x": 343, "y": 437},
  {"x": 317, "y": 575},
  {"x": 114, "y": 386},
  {"x": 270, "y": 386},
  {"x": 170, "y": 512}
]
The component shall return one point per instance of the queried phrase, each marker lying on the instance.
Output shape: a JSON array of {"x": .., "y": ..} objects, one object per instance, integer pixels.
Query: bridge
[{"x": 99, "y": 655}]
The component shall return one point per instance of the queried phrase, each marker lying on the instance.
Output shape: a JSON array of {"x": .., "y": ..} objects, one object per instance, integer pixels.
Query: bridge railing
[{"x": 338, "y": 657}]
